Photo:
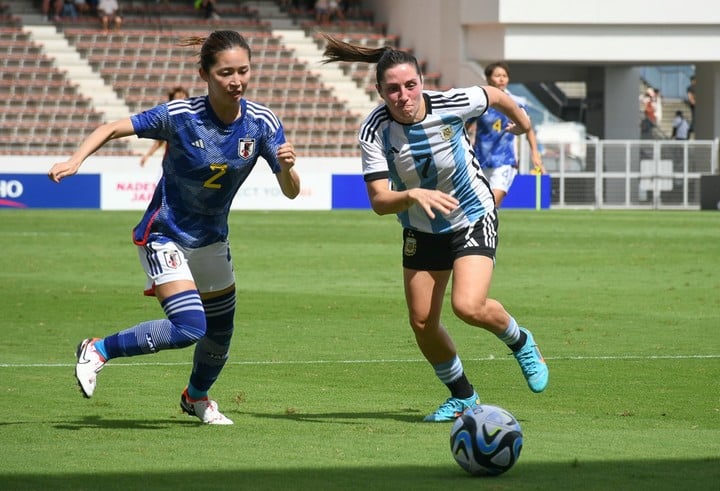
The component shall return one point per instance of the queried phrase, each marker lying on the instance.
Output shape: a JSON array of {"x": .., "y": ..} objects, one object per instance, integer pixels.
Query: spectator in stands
[
  {"x": 69, "y": 9},
  {"x": 658, "y": 103},
  {"x": 214, "y": 142},
  {"x": 109, "y": 10},
  {"x": 174, "y": 94},
  {"x": 208, "y": 8},
  {"x": 680, "y": 127},
  {"x": 82, "y": 7},
  {"x": 335, "y": 10},
  {"x": 52, "y": 9},
  {"x": 353, "y": 9},
  {"x": 649, "y": 121},
  {"x": 691, "y": 102},
  {"x": 495, "y": 147},
  {"x": 416, "y": 138},
  {"x": 328, "y": 10},
  {"x": 322, "y": 11}
]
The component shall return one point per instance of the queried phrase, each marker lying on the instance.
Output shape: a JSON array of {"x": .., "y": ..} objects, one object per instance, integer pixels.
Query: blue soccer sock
[
  {"x": 211, "y": 352},
  {"x": 195, "y": 394},
  {"x": 100, "y": 348},
  {"x": 184, "y": 326}
]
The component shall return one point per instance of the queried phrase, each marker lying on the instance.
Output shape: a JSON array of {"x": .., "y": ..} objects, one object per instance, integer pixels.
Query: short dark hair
[{"x": 498, "y": 64}]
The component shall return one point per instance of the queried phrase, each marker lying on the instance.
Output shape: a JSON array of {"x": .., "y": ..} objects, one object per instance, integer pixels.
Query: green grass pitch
[{"x": 325, "y": 384}]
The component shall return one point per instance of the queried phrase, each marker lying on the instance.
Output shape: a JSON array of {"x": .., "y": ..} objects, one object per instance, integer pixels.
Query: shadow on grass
[
  {"x": 698, "y": 475},
  {"x": 404, "y": 416},
  {"x": 98, "y": 422}
]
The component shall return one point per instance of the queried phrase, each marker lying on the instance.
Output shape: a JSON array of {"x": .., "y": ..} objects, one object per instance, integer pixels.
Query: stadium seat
[{"x": 144, "y": 59}]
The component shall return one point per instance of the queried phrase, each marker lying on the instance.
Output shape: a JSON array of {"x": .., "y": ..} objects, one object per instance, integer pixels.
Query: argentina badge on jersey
[
  {"x": 446, "y": 132},
  {"x": 246, "y": 147}
]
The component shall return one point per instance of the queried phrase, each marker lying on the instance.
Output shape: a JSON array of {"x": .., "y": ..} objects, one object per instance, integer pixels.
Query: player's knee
[
  {"x": 474, "y": 313},
  {"x": 185, "y": 311},
  {"x": 220, "y": 315},
  {"x": 421, "y": 325},
  {"x": 190, "y": 327}
]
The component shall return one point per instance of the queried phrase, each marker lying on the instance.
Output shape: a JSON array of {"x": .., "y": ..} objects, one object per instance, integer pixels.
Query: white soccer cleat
[
  {"x": 204, "y": 409},
  {"x": 89, "y": 363}
]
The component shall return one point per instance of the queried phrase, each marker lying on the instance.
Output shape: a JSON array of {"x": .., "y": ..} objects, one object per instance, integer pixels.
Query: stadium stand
[
  {"x": 41, "y": 112},
  {"x": 143, "y": 59}
]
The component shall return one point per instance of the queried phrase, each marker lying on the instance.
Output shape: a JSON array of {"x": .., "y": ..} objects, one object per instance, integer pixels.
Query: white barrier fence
[{"x": 652, "y": 174}]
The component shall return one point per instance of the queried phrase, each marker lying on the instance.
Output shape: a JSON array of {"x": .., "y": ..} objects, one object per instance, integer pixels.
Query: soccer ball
[{"x": 486, "y": 441}]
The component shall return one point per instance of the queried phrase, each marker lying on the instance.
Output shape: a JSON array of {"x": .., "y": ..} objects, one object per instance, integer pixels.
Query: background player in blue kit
[
  {"x": 174, "y": 93},
  {"x": 416, "y": 139},
  {"x": 495, "y": 147},
  {"x": 213, "y": 143}
]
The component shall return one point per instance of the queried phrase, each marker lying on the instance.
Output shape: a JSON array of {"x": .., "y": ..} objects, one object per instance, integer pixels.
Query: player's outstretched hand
[{"x": 62, "y": 170}]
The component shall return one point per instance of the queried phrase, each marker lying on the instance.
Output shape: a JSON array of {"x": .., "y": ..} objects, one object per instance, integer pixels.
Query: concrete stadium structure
[{"x": 599, "y": 42}]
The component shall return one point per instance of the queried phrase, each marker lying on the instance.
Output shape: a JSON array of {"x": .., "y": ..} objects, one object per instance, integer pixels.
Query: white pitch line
[
  {"x": 34, "y": 233},
  {"x": 359, "y": 362}
]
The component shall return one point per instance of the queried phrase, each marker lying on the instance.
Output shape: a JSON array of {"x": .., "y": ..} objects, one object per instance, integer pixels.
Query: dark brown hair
[
  {"x": 492, "y": 66},
  {"x": 216, "y": 42},
  {"x": 171, "y": 93},
  {"x": 385, "y": 57}
]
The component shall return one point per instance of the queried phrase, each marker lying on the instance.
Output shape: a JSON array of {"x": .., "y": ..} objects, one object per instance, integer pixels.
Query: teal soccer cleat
[
  {"x": 532, "y": 364},
  {"x": 452, "y": 408}
]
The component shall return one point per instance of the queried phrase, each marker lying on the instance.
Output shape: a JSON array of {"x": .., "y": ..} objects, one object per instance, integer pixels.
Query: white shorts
[
  {"x": 500, "y": 177},
  {"x": 210, "y": 267}
]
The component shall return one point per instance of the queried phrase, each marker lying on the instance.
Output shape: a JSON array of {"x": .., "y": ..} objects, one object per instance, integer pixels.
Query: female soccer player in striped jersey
[
  {"x": 495, "y": 147},
  {"x": 416, "y": 141},
  {"x": 213, "y": 143}
]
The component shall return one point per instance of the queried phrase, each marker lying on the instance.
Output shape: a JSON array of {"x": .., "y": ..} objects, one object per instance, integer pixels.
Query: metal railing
[{"x": 649, "y": 174}]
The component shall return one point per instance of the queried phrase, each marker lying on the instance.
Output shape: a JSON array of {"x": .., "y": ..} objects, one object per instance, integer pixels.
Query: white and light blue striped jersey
[
  {"x": 435, "y": 153},
  {"x": 495, "y": 147},
  {"x": 205, "y": 164}
]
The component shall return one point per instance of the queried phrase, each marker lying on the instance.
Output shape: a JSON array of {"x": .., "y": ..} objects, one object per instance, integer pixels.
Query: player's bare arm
[
  {"x": 504, "y": 103},
  {"x": 385, "y": 201},
  {"x": 96, "y": 139}
]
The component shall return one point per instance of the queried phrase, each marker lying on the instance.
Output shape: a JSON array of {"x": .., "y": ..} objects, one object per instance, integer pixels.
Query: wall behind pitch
[{"x": 119, "y": 183}]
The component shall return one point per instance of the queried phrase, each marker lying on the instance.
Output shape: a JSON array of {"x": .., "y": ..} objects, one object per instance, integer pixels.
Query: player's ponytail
[
  {"x": 385, "y": 56},
  {"x": 337, "y": 50}
]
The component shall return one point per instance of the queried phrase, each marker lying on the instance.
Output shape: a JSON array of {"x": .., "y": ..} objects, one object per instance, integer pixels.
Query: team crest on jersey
[
  {"x": 172, "y": 259},
  {"x": 246, "y": 147},
  {"x": 446, "y": 132}
]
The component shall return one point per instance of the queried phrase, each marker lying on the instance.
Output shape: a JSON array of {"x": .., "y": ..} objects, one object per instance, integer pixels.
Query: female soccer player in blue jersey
[
  {"x": 213, "y": 143},
  {"x": 416, "y": 141},
  {"x": 495, "y": 147}
]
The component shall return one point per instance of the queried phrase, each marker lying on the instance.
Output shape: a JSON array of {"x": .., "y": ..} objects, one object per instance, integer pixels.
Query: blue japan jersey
[
  {"x": 205, "y": 164},
  {"x": 495, "y": 147}
]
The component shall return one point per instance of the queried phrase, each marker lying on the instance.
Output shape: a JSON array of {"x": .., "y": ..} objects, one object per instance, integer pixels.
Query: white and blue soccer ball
[{"x": 486, "y": 441}]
